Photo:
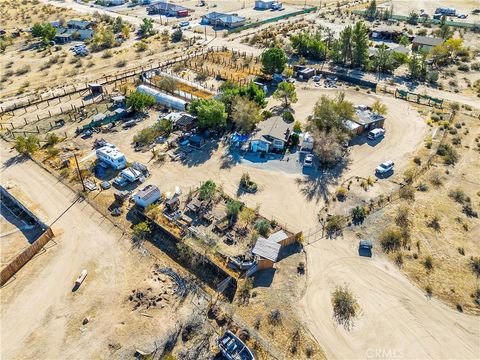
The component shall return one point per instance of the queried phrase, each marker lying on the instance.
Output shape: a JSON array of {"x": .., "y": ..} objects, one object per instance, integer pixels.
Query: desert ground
[
  {"x": 397, "y": 319},
  {"x": 40, "y": 314}
]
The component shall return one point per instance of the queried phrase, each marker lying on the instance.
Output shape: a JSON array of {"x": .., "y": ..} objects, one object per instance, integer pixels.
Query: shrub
[
  {"x": 459, "y": 196},
  {"x": 233, "y": 208},
  {"x": 463, "y": 67},
  {"x": 297, "y": 127},
  {"x": 341, "y": 193},
  {"x": 399, "y": 259},
  {"x": 275, "y": 317},
  {"x": 435, "y": 223},
  {"x": 448, "y": 153},
  {"x": 402, "y": 218},
  {"x": 288, "y": 117},
  {"x": 52, "y": 139},
  {"x": 121, "y": 63},
  {"x": 345, "y": 306},
  {"x": 475, "y": 265},
  {"x": 263, "y": 227},
  {"x": 335, "y": 225},
  {"x": 358, "y": 214},
  {"x": 207, "y": 190},
  {"x": 27, "y": 145},
  {"x": 266, "y": 114},
  {"x": 391, "y": 240},
  {"x": 407, "y": 192},
  {"x": 428, "y": 263},
  {"x": 467, "y": 210},
  {"x": 436, "y": 178}
]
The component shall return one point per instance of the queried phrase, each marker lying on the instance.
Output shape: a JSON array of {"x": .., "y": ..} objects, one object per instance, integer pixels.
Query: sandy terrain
[
  {"x": 41, "y": 294},
  {"x": 397, "y": 320}
]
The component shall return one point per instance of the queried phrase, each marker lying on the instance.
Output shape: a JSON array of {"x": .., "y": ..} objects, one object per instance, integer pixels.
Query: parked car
[
  {"x": 376, "y": 133},
  {"x": 384, "y": 167},
  {"x": 308, "y": 161},
  {"x": 184, "y": 23},
  {"x": 462, "y": 16},
  {"x": 129, "y": 124},
  {"x": 317, "y": 78},
  {"x": 105, "y": 185}
]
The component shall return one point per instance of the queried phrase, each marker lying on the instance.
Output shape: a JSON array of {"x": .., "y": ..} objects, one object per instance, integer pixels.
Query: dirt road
[
  {"x": 40, "y": 314},
  {"x": 397, "y": 320}
]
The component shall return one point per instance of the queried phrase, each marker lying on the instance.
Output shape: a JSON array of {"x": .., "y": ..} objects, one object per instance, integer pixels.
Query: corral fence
[
  {"x": 420, "y": 21},
  {"x": 272, "y": 20},
  {"x": 24, "y": 257}
]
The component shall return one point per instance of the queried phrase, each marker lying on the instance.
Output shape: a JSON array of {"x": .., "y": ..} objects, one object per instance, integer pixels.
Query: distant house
[
  {"x": 185, "y": 122},
  {"x": 115, "y": 2},
  {"x": 263, "y": 4},
  {"x": 168, "y": 9},
  {"x": 273, "y": 134},
  {"x": 425, "y": 43},
  {"x": 364, "y": 120},
  {"x": 63, "y": 35},
  {"x": 79, "y": 24},
  {"x": 147, "y": 196},
  {"x": 223, "y": 20}
]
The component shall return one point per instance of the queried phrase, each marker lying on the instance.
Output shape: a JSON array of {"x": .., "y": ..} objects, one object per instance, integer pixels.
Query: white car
[
  {"x": 308, "y": 161},
  {"x": 384, "y": 167}
]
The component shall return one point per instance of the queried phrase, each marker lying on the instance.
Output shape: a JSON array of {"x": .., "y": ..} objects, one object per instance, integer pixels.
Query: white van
[{"x": 375, "y": 134}]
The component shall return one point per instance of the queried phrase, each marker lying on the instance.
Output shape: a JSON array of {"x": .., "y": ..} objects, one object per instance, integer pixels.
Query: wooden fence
[{"x": 24, "y": 257}]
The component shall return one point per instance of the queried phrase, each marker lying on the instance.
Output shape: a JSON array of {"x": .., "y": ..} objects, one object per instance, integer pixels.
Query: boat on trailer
[{"x": 233, "y": 348}]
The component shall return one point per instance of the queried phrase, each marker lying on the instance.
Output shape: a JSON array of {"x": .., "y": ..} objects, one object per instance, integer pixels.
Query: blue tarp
[{"x": 239, "y": 138}]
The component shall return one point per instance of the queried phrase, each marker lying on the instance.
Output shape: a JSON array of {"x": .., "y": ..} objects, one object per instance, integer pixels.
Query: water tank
[{"x": 164, "y": 99}]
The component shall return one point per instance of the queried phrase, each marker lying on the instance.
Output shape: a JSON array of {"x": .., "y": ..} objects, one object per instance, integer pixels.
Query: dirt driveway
[
  {"x": 41, "y": 317},
  {"x": 397, "y": 320}
]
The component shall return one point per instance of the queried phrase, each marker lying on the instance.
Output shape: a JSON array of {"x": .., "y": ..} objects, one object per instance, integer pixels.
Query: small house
[
  {"x": 217, "y": 19},
  {"x": 273, "y": 134},
  {"x": 147, "y": 196},
  {"x": 167, "y": 9},
  {"x": 266, "y": 251},
  {"x": 306, "y": 73},
  {"x": 425, "y": 43},
  {"x": 263, "y": 4},
  {"x": 79, "y": 24},
  {"x": 185, "y": 122},
  {"x": 364, "y": 120}
]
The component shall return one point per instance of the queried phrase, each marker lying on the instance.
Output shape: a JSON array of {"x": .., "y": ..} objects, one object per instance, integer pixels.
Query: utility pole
[{"x": 79, "y": 172}]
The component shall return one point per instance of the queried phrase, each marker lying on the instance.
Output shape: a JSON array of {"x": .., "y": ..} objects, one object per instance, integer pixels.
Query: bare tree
[{"x": 327, "y": 147}]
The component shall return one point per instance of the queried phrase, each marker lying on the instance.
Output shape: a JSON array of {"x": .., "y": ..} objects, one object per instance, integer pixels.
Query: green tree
[
  {"x": 245, "y": 114},
  {"x": 383, "y": 60},
  {"x": 138, "y": 101},
  {"x": 273, "y": 61},
  {"x": 263, "y": 227},
  {"x": 379, "y": 108},
  {"x": 46, "y": 31},
  {"x": 412, "y": 18},
  {"x": 27, "y": 145},
  {"x": 233, "y": 209},
  {"x": 141, "y": 230},
  {"x": 360, "y": 44},
  {"x": 164, "y": 126},
  {"x": 118, "y": 24},
  {"x": 329, "y": 113},
  {"x": 207, "y": 190},
  {"x": 310, "y": 46},
  {"x": 177, "y": 35},
  {"x": 371, "y": 11},
  {"x": 345, "y": 45},
  {"x": 211, "y": 113},
  {"x": 404, "y": 40},
  {"x": 444, "y": 30},
  {"x": 146, "y": 28},
  {"x": 286, "y": 92}
]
